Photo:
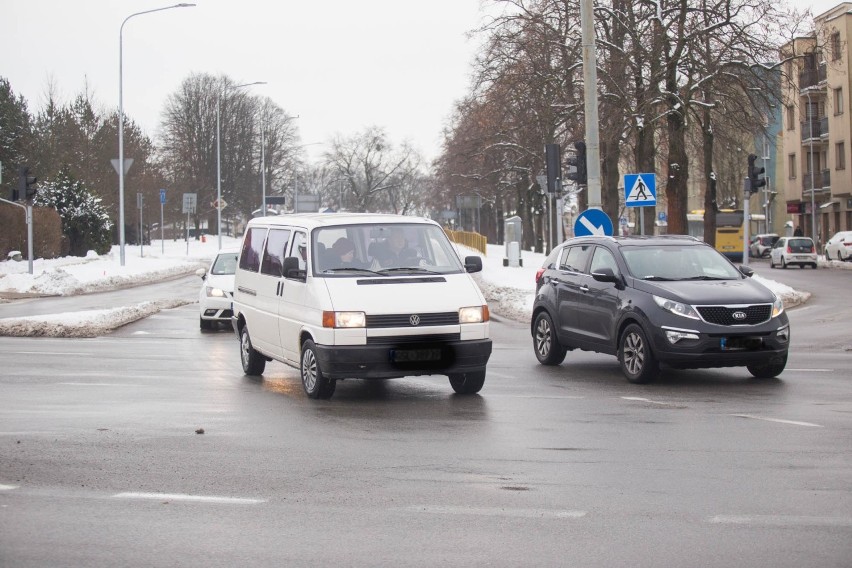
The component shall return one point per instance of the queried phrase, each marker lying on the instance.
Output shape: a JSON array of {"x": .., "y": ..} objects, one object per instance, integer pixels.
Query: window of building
[
  {"x": 840, "y": 156},
  {"x": 791, "y": 166},
  {"x": 838, "y": 101},
  {"x": 835, "y": 46},
  {"x": 791, "y": 117}
]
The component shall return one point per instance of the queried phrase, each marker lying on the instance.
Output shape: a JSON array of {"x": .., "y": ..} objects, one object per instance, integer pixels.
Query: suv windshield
[
  {"x": 383, "y": 249},
  {"x": 676, "y": 262}
]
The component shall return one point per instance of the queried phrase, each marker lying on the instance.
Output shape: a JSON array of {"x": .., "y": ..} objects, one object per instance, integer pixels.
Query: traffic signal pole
[{"x": 590, "y": 82}]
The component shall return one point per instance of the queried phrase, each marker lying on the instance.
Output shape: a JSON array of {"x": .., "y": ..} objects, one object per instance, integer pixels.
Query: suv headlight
[
  {"x": 777, "y": 307},
  {"x": 676, "y": 308}
]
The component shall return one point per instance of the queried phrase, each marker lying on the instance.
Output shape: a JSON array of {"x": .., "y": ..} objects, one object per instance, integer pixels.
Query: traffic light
[
  {"x": 552, "y": 164},
  {"x": 577, "y": 164},
  {"x": 26, "y": 184},
  {"x": 754, "y": 173}
]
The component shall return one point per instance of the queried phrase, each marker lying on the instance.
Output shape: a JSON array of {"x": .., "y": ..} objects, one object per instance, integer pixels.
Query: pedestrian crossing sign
[{"x": 640, "y": 190}]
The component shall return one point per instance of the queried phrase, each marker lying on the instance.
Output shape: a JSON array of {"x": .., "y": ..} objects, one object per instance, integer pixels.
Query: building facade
[{"x": 815, "y": 140}]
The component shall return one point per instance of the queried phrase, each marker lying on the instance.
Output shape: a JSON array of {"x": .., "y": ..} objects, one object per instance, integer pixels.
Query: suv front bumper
[{"x": 734, "y": 348}]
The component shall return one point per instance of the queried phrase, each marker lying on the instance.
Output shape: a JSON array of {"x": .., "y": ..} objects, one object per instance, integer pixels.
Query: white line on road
[
  {"x": 8, "y": 487},
  {"x": 780, "y": 421},
  {"x": 810, "y": 370},
  {"x": 781, "y": 520},
  {"x": 99, "y": 384},
  {"x": 499, "y": 512},
  {"x": 192, "y": 498},
  {"x": 648, "y": 400}
]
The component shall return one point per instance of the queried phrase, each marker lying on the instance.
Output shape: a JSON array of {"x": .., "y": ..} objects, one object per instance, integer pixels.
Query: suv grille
[
  {"x": 405, "y": 320},
  {"x": 724, "y": 315}
]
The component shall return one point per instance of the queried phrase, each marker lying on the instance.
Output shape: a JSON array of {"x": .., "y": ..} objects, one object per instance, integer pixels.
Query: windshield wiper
[
  {"x": 352, "y": 269},
  {"x": 705, "y": 278},
  {"x": 415, "y": 269},
  {"x": 659, "y": 278}
]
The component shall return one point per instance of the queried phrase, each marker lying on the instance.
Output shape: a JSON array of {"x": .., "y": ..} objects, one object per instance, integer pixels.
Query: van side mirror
[
  {"x": 473, "y": 264},
  {"x": 291, "y": 270}
]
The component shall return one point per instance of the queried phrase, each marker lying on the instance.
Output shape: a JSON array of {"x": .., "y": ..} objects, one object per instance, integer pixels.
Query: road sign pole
[{"x": 162, "y": 238}]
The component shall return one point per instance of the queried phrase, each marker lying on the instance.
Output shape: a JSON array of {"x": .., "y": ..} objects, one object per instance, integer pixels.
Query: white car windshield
[
  {"x": 226, "y": 263},
  {"x": 672, "y": 262},
  {"x": 383, "y": 249}
]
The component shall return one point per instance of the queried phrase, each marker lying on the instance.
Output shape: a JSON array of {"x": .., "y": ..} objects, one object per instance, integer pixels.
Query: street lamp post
[
  {"x": 811, "y": 157},
  {"x": 219, "y": 155},
  {"x": 121, "y": 121}
]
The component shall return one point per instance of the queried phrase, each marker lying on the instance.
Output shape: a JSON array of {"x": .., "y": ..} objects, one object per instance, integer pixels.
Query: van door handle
[{"x": 248, "y": 291}]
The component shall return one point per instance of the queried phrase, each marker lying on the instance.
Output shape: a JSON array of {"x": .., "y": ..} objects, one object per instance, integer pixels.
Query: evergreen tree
[
  {"x": 15, "y": 135},
  {"x": 85, "y": 222}
]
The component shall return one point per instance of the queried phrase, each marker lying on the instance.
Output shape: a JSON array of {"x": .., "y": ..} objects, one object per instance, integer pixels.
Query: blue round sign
[{"x": 592, "y": 222}]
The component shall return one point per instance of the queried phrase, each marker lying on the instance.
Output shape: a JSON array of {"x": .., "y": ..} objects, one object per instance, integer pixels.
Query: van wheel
[
  {"x": 467, "y": 383},
  {"x": 253, "y": 362},
  {"x": 768, "y": 370},
  {"x": 313, "y": 381},
  {"x": 634, "y": 353},
  {"x": 548, "y": 350}
]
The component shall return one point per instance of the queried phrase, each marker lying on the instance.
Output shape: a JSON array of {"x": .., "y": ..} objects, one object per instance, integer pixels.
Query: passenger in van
[
  {"x": 344, "y": 254},
  {"x": 395, "y": 252}
]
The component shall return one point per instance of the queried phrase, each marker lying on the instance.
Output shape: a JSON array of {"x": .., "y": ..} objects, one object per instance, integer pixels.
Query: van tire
[
  {"x": 313, "y": 381},
  {"x": 253, "y": 362},
  {"x": 467, "y": 383}
]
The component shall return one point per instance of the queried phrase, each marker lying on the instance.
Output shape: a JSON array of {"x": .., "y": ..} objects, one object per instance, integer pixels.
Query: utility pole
[{"x": 590, "y": 89}]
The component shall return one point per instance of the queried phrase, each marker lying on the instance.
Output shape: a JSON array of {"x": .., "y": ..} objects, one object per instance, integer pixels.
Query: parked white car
[
  {"x": 839, "y": 247},
  {"x": 761, "y": 244},
  {"x": 789, "y": 251},
  {"x": 216, "y": 297}
]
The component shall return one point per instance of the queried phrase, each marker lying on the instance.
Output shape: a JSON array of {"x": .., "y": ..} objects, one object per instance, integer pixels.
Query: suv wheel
[
  {"x": 769, "y": 369},
  {"x": 634, "y": 353},
  {"x": 467, "y": 383},
  {"x": 547, "y": 348},
  {"x": 313, "y": 381},
  {"x": 253, "y": 362}
]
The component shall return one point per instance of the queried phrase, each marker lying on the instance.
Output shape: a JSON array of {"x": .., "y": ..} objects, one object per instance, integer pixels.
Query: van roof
[{"x": 311, "y": 220}]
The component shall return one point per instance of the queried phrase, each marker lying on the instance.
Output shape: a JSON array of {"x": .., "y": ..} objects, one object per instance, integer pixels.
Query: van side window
[
  {"x": 273, "y": 255},
  {"x": 299, "y": 249},
  {"x": 252, "y": 247}
]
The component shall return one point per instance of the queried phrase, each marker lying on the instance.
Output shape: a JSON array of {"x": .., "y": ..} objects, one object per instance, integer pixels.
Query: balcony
[
  {"x": 812, "y": 77},
  {"x": 822, "y": 182},
  {"x": 814, "y": 129}
]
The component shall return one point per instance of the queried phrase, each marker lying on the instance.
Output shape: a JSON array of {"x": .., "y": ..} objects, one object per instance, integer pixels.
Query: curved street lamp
[
  {"x": 121, "y": 121},
  {"x": 219, "y": 154}
]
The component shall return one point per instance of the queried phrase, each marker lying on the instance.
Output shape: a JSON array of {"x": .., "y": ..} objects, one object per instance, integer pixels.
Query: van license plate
[{"x": 412, "y": 355}]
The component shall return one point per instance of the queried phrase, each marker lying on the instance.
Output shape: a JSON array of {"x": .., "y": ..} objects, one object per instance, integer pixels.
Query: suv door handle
[{"x": 584, "y": 288}]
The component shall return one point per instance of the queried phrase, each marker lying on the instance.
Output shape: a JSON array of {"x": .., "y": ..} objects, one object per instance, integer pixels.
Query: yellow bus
[{"x": 729, "y": 230}]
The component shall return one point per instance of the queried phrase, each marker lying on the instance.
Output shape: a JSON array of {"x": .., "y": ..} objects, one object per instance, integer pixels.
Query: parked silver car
[
  {"x": 761, "y": 244},
  {"x": 789, "y": 251}
]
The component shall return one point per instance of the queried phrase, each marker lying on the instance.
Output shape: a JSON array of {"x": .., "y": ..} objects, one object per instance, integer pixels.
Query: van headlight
[
  {"x": 473, "y": 314},
  {"x": 676, "y": 308},
  {"x": 344, "y": 319},
  {"x": 215, "y": 292},
  {"x": 777, "y": 307}
]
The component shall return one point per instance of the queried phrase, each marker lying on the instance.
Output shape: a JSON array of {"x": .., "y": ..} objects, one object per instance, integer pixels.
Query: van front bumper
[{"x": 392, "y": 360}]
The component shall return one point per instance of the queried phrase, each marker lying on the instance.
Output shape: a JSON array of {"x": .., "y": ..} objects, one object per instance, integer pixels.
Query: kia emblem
[
  {"x": 739, "y": 315},
  {"x": 415, "y": 319}
]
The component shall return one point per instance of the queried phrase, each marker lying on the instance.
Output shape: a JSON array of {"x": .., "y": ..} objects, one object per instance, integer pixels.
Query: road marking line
[
  {"x": 193, "y": 498},
  {"x": 780, "y": 421},
  {"x": 8, "y": 487},
  {"x": 499, "y": 512},
  {"x": 98, "y": 385},
  {"x": 648, "y": 400},
  {"x": 781, "y": 520},
  {"x": 811, "y": 370}
]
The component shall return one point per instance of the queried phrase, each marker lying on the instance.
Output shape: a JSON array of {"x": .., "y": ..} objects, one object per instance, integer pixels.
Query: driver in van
[{"x": 395, "y": 251}]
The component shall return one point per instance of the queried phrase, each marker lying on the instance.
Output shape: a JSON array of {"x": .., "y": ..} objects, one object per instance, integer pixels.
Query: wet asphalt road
[{"x": 101, "y": 465}]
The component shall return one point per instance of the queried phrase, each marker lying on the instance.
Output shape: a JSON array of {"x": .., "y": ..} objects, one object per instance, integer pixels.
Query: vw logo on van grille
[
  {"x": 414, "y": 319},
  {"x": 739, "y": 315}
]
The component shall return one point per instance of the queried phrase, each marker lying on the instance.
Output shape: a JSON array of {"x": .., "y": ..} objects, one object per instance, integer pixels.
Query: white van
[{"x": 363, "y": 296}]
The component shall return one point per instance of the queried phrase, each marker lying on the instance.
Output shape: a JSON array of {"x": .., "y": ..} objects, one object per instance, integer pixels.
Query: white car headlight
[
  {"x": 215, "y": 292},
  {"x": 473, "y": 314},
  {"x": 777, "y": 307},
  {"x": 676, "y": 308}
]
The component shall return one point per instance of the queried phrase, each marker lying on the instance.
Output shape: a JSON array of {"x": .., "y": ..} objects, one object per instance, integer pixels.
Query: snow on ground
[{"x": 508, "y": 290}]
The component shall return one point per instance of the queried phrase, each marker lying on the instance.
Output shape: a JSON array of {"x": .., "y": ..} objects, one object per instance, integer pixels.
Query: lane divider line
[
  {"x": 779, "y": 420},
  {"x": 8, "y": 487},
  {"x": 189, "y": 498},
  {"x": 499, "y": 512},
  {"x": 781, "y": 520}
]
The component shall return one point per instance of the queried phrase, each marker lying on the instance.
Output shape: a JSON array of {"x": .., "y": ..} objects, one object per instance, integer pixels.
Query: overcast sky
[{"x": 340, "y": 65}]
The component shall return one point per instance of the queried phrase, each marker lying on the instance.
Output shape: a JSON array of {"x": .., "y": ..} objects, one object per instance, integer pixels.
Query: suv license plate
[{"x": 412, "y": 355}]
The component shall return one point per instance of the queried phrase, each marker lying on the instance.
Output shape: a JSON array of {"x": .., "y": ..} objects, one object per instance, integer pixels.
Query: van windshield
[{"x": 387, "y": 249}]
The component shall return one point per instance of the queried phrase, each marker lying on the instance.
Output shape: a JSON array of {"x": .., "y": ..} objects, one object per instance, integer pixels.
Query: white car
[
  {"x": 761, "y": 244},
  {"x": 839, "y": 246},
  {"x": 216, "y": 296},
  {"x": 793, "y": 250}
]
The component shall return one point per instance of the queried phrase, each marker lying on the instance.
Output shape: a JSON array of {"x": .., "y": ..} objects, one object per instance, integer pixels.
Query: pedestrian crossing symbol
[{"x": 640, "y": 190}]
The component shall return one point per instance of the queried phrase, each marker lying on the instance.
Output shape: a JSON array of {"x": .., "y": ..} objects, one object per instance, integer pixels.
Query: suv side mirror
[
  {"x": 473, "y": 263},
  {"x": 605, "y": 275},
  {"x": 291, "y": 270},
  {"x": 746, "y": 271}
]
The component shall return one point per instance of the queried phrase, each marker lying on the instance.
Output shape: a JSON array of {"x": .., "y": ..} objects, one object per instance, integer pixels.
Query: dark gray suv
[{"x": 650, "y": 300}]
